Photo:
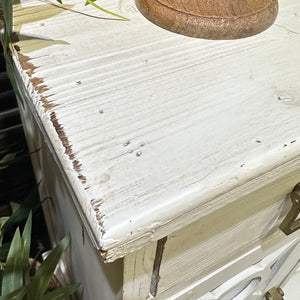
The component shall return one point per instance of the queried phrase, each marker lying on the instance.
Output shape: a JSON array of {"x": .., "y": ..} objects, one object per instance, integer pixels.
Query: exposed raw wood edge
[
  {"x": 27, "y": 71},
  {"x": 36, "y": 82},
  {"x": 66, "y": 144},
  {"x": 96, "y": 204},
  {"x": 156, "y": 266},
  {"x": 214, "y": 200},
  {"x": 170, "y": 225},
  {"x": 23, "y": 82},
  {"x": 38, "y": 86},
  {"x": 29, "y": 68},
  {"x": 145, "y": 231}
]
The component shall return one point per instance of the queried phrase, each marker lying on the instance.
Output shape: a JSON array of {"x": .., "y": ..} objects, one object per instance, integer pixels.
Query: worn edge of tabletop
[{"x": 112, "y": 249}]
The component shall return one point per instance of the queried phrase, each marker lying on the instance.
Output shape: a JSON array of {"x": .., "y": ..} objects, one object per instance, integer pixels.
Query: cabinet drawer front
[
  {"x": 220, "y": 237},
  {"x": 254, "y": 282}
]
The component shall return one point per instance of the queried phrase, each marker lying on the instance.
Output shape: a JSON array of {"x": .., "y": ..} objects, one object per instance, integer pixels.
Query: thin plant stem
[{"x": 107, "y": 11}]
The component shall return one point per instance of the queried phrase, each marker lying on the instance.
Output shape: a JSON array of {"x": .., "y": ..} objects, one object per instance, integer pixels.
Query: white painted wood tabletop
[{"x": 154, "y": 129}]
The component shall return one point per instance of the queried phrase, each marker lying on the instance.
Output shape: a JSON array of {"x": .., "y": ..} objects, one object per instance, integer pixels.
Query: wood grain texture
[
  {"x": 154, "y": 130},
  {"x": 138, "y": 268},
  {"x": 226, "y": 234},
  {"x": 219, "y": 19}
]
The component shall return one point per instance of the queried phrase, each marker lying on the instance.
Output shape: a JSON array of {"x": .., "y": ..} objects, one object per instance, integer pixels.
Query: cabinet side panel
[{"x": 82, "y": 261}]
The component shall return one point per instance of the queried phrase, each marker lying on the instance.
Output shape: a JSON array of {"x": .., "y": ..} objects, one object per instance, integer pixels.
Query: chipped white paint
[
  {"x": 206, "y": 121},
  {"x": 81, "y": 261}
]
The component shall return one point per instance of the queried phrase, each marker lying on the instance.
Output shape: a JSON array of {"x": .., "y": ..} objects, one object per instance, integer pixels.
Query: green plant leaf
[
  {"x": 3, "y": 220},
  {"x": 41, "y": 280},
  {"x": 14, "y": 206},
  {"x": 86, "y": 3},
  {"x": 4, "y": 251},
  {"x": 7, "y": 160},
  {"x": 7, "y": 7},
  {"x": 61, "y": 293},
  {"x": 15, "y": 295},
  {"x": 102, "y": 9},
  {"x": 13, "y": 159},
  {"x": 26, "y": 241},
  {"x": 1, "y": 277},
  {"x": 106, "y": 11},
  {"x": 26, "y": 236},
  {"x": 22, "y": 213},
  {"x": 13, "y": 275}
]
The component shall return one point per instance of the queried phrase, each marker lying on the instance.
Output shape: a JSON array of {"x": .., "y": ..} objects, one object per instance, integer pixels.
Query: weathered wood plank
[
  {"x": 223, "y": 235},
  {"x": 138, "y": 267},
  {"x": 150, "y": 126}
]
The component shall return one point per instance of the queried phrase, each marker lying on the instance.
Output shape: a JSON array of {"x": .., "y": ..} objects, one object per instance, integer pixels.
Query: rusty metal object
[
  {"x": 291, "y": 223},
  {"x": 219, "y": 19},
  {"x": 275, "y": 293}
]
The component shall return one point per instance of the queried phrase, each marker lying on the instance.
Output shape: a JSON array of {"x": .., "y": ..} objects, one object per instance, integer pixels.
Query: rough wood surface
[
  {"x": 138, "y": 269},
  {"x": 223, "y": 236},
  {"x": 211, "y": 19},
  {"x": 154, "y": 129}
]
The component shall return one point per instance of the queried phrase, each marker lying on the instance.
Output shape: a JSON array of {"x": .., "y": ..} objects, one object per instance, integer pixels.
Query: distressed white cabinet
[{"x": 170, "y": 160}]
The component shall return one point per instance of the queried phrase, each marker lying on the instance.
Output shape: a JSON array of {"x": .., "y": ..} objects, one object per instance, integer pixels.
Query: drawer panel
[
  {"x": 220, "y": 237},
  {"x": 254, "y": 282},
  {"x": 244, "y": 227}
]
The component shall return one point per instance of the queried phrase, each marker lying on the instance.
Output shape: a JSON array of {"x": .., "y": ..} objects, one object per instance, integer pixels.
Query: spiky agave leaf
[
  {"x": 13, "y": 272},
  {"x": 40, "y": 281},
  {"x": 61, "y": 293}
]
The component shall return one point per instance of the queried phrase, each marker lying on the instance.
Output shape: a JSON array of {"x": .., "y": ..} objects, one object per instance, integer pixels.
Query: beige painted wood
[
  {"x": 290, "y": 286},
  {"x": 152, "y": 129},
  {"x": 284, "y": 270},
  {"x": 224, "y": 235},
  {"x": 151, "y": 134},
  {"x": 222, "y": 19},
  {"x": 138, "y": 268},
  {"x": 222, "y": 243},
  {"x": 232, "y": 275},
  {"x": 253, "y": 283}
]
